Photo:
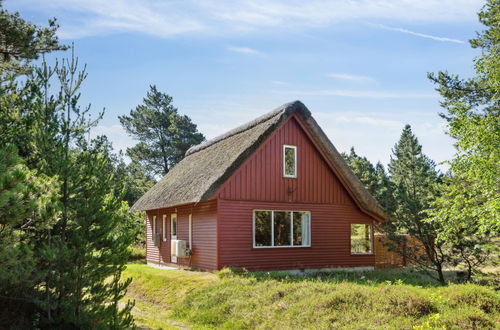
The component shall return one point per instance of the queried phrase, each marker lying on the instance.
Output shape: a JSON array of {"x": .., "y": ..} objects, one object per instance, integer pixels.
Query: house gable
[{"x": 260, "y": 177}]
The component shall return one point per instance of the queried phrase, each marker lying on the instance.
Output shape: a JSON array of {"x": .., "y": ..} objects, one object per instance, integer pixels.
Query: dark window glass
[
  {"x": 361, "y": 238},
  {"x": 301, "y": 228},
  {"x": 290, "y": 161},
  {"x": 174, "y": 225},
  {"x": 282, "y": 228},
  {"x": 262, "y": 228}
]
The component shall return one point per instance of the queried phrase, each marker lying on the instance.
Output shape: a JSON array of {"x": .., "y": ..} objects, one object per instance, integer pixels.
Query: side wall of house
[
  {"x": 204, "y": 229},
  {"x": 330, "y": 238},
  {"x": 259, "y": 184}
]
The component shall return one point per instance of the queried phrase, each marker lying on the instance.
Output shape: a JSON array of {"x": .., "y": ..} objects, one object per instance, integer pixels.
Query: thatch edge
[
  {"x": 361, "y": 194},
  {"x": 284, "y": 109}
]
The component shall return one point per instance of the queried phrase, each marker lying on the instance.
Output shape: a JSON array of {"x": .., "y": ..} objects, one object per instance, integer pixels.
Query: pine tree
[
  {"x": 164, "y": 135},
  {"x": 375, "y": 179},
  {"x": 86, "y": 249},
  {"x": 414, "y": 178},
  {"x": 363, "y": 169},
  {"x": 469, "y": 207},
  {"x": 26, "y": 211},
  {"x": 384, "y": 190}
]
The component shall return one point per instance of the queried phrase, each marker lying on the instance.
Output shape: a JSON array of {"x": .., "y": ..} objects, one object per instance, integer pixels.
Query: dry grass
[{"x": 380, "y": 299}]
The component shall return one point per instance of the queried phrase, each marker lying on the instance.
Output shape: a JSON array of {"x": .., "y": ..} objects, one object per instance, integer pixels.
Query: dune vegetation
[{"x": 235, "y": 299}]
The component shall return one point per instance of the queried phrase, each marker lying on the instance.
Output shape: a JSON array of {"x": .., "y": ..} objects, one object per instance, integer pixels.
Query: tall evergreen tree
[
  {"x": 363, "y": 169},
  {"x": 469, "y": 208},
  {"x": 384, "y": 192},
  {"x": 86, "y": 249},
  {"x": 375, "y": 179},
  {"x": 414, "y": 178},
  {"x": 26, "y": 211},
  {"x": 164, "y": 135},
  {"x": 22, "y": 42}
]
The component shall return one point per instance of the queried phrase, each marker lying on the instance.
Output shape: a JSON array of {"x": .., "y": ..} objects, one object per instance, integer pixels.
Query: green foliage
[
  {"x": 375, "y": 179},
  {"x": 468, "y": 209},
  {"x": 164, "y": 135},
  {"x": 238, "y": 299},
  {"x": 22, "y": 41},
  {"x": 26, "y": 210},
  {"x": 85, "y": 251},
  {"x": 80, "y": 256},
  {"x": 414, "y": 178}
]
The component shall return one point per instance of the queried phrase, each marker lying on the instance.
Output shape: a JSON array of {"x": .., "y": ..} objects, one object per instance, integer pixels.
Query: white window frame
[
  {"x": 272, "y": 230},
  {"x": 285, "y": 146},
  {"x": 190, "y": 223},
  {"x": 154, "y": 226},
  {"x": 371, "y": 240},
  {"x": 164, "y": 228},
  {"x": 172, "y": 217}
]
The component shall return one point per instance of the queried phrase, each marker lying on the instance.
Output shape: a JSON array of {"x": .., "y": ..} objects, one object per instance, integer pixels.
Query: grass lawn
[{"x": 390, "y": 299}]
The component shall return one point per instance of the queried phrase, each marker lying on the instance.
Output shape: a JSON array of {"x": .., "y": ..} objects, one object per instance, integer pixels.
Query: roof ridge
[{"x": 285, "y": 108}]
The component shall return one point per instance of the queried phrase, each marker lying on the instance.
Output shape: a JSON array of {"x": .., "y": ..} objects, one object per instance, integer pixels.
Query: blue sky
[{"x": 359, "y": 65}]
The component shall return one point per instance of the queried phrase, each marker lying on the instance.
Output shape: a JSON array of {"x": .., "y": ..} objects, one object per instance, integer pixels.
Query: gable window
[
  {"x": 361, "y": 239},
  {"x": 289, "y": 161},
  {"x": 281, "y": 228}
]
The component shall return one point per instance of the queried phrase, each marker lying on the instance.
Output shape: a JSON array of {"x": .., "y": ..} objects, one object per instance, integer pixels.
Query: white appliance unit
[{"x": 178, "y": 249}]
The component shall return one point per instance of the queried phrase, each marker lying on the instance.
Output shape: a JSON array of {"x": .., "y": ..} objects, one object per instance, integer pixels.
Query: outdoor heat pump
[{"x": 178, "y": 248}]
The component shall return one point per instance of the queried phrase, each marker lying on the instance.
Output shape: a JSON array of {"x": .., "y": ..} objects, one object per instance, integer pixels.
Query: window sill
[{"x": 363, "y": 254}]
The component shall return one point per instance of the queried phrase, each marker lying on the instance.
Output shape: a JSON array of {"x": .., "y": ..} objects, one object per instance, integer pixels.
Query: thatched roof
[{"x": 208, "y": 165}]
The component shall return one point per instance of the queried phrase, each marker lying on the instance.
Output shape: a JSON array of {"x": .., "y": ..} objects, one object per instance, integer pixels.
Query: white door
[{"x": 173, "y": 232}]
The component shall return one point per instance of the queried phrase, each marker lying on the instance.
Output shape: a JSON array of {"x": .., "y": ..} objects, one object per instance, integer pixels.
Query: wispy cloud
[
  {"x": 80, "y": 18},
  {"x": 244, "y": 50},
  {"x": 351, "y": 77},
  {"x": 422, "y": 35},
  {"x": 279, "y": 82},
  {"x": 367, "y": 94}
]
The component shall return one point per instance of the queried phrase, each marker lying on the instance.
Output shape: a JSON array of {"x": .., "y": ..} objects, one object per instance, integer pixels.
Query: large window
[
  {"x": 281, "y": 228},
  {"x": 361, "y": 239},
  {"x": 289, "y": 161}
]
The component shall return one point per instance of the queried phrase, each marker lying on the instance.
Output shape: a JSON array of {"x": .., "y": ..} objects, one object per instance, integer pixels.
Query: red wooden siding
[
  {"x": 259, "y": 184},
  {"x": 204, "y": 234},
  {"x": 330, "y": 237},
  {"x": 260, "y": 178}
]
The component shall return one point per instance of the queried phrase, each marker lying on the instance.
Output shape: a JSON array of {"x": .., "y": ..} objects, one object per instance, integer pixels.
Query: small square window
[{"x": 289, "y": 161}]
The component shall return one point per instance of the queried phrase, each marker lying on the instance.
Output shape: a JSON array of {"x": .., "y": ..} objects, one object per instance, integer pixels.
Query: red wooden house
[{"x": 273, "y": 194}]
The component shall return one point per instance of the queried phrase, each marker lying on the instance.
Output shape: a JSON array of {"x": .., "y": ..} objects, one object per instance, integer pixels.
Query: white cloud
[
  {"x": 368, "y": 94},
  {"x": 351, "y": 77},
  {"x": 80, "y": 18},
  {"x": 244, "y": 50},
  {"x": 422, "y": 35},
  {"x": 279, "y": 82}
]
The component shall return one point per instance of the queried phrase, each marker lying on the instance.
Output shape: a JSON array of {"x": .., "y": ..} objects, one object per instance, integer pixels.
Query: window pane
[
  {"x": 262, "y": 228},
  {"x": 289, "y": 161},
  {"x": 301, "y": 228},
  {"x": 282, "y": 228},
  {"x": 174, "y": 225},
  {"x": 361, "y": 238}
]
